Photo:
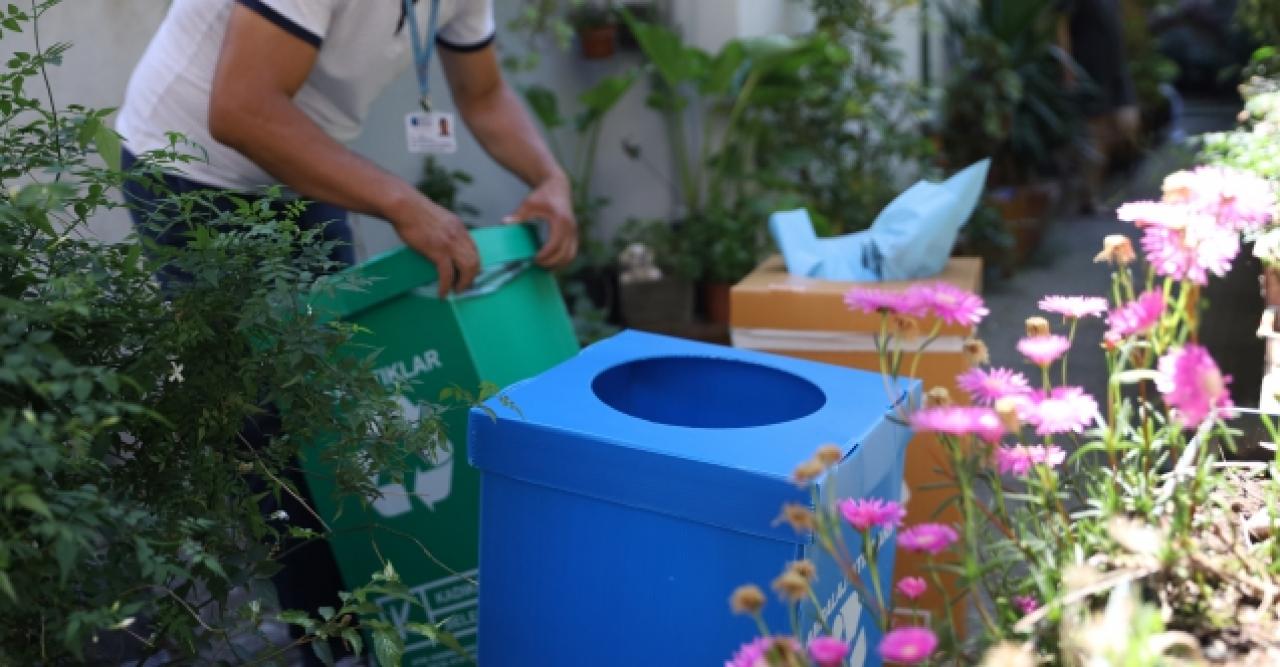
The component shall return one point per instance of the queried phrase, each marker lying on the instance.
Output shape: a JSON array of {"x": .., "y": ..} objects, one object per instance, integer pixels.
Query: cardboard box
[
  {"x": 627, "y": 492},
  {"x": 510, "y": 326},
  {"x": 773, "y": 311}
]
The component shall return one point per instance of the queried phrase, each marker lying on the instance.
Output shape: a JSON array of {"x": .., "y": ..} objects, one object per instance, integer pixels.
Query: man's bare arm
[
  {"x": 251, "y": 109},
  {"x": 499, "y": 121}
]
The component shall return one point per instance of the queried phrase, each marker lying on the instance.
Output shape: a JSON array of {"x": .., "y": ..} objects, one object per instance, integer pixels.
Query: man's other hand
[{"x": 552, "y": 201}]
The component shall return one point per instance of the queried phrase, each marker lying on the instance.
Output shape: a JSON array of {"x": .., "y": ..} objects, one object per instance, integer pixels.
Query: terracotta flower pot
[
  {"x": 598, "y": 42},
  {"x": 715, "y": 299}
]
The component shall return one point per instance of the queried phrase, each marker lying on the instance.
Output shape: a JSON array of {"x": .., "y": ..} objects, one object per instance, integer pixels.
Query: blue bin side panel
[{"x": 571, "y": 580}]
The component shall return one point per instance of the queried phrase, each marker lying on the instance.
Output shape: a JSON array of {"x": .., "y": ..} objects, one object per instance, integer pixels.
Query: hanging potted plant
[{"x": 597, "y": 28}]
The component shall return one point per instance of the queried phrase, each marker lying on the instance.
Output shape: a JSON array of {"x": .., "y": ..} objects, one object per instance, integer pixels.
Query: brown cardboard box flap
[{"x": 771, "y": 298}]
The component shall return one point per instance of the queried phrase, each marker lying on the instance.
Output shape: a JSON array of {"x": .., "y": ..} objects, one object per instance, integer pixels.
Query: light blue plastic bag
[{"x": 911, "y": 238}]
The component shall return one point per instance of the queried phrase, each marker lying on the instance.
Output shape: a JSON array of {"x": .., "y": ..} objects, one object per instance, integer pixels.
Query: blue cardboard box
[{"x": 626, "y": 492}]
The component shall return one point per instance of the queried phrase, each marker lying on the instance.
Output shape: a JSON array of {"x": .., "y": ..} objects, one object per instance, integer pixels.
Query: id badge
[{"x": 430, "y": 132}]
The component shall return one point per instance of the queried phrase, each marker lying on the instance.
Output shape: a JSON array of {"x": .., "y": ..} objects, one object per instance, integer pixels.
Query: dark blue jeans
[
  {"x": 146, "y": 208},
  {"x": 309, "y": 578}
]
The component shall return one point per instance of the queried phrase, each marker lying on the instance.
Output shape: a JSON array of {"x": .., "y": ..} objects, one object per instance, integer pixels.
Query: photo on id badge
[{"x": 430, "y": 132}]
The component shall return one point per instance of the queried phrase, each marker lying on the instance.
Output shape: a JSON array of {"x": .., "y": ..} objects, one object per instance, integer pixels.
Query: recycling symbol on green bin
[{"x": 429, "y": 483}]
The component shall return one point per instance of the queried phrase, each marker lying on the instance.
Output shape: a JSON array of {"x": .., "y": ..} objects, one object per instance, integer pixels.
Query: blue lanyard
[{"x": 422, "y": 52}]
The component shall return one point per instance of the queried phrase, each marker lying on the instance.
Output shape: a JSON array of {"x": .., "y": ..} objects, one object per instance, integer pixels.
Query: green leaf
[
  {"x": 438, "y": 634},
  {"x": 352, "y": 637},
  {"x": 31, "y": 501},
  {"x": 387, "y": 646},
  {"x": 326, "y": 613},
  {"x": 545, "y": 106},
  {"x": 299, "y": 618},
  {"x": 7, "y": 586},
  {"x": 599, "y": 99},
  {"x": 321, "y": 648},
  {"x": 108, "y": 144},
  {"x": 674, "y": 62},
  {"x": 724, "y": 68}
]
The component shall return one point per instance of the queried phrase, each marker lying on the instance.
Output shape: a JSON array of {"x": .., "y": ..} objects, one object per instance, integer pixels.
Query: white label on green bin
[
  {"x": 431, "y": 484},
  {"x": 453, "y": 599},
  {"x": 403, "y": 371}
]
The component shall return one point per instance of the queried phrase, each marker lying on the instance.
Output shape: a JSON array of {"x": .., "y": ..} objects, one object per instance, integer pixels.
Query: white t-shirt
[{"x": 362, "y": 48}]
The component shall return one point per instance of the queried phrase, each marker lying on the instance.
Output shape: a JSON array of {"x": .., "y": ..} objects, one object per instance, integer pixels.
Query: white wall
[{"x": 107, "y": 38}]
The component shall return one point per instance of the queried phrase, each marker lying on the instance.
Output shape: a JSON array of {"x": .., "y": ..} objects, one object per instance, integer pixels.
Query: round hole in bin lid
[{"x": 705, "y": 392}]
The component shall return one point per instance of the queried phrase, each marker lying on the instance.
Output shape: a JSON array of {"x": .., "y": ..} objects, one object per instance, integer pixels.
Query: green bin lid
[{"x": 397, "y": 271}]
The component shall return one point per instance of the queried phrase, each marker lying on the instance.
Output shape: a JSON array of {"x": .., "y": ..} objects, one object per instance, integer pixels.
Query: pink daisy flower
[
  {"x": 930, "y": 538},
  {"x": 1191, "y": 251},
  {"x": 912, "y": 587},
  {"x": 1137, "y": 316},
  {"x": 1237, "y": 200},
  {"x": 986, "y": 386},
  {"x": 960, "y": 421},
  {"x": 1063, "y": 410},
  {"x": 908, "y": 646},
  {"x": 1026, "y": 603},
  {"x": 1074, "y": 307},
  {"x": 1193, "y": 385},
  {"x": 947, "y": 302},
  {"x": 753, "y": 653},
  {"x": 864, "y": 513},
  {"x": 1015, "y": 459},
  {"x": 1044, "y": 350},
  {"x": 1019, "y": 459},
  {"x": 828, "y": 651},
  {"x": 871, "y": 300},
  {"x": 1148, "y": 213}
]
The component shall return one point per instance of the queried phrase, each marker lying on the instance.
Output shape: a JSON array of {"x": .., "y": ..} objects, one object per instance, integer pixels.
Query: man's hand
[
  {"x": 552, "y": 201},
  {"x": 438, "y": 235}
]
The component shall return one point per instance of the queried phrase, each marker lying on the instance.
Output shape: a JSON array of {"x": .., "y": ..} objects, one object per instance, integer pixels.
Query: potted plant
[
  {"x": 597, "y": 28},
  {"x": 708, "y": 101},
  {"x": 1005, "y": 99}
]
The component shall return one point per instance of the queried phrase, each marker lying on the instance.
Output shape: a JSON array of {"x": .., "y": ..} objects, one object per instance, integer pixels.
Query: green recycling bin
[{"x": 510, "y": 326}]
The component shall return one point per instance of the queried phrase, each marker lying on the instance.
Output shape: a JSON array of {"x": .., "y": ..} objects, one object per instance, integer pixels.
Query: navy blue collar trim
[{"x": 282, "y": 21}]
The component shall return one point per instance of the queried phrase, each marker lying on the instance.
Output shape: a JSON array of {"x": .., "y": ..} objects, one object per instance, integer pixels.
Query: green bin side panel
[
  {"x": 429, "y": 527},
  {"x": 519, "y": 331}
]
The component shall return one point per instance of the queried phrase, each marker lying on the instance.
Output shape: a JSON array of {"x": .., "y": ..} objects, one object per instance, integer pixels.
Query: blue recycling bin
[{"x": 626, "y": 492}]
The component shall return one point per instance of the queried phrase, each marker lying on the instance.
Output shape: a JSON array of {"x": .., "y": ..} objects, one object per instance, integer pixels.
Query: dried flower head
[
  {"x": 790, "y": 586},
  {"x": 1008, "y": 654},
  {"x": 938, "y": 397},
  {"x": 804, "y": 568},
  {"x": 1038, "y": 326},
  {"x": 1117, "y": 249},
  {"x": 904, "y": 327},
  {"x": 807, "y": 472},
  {"x": 798, "y": 516},
  {"x": 1009, "y": 410},
  {"x": 975, "y": 352},
  {"x": 828, "y": 455},
  {"x": 748, "y": 599}
]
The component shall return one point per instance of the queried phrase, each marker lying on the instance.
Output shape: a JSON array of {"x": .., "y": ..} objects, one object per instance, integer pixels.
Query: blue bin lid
[{"x": 700, "y": 431}]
